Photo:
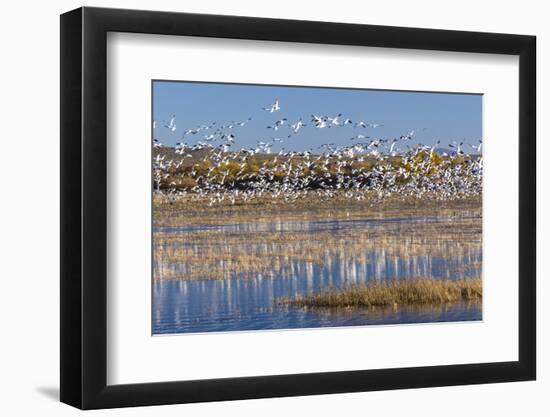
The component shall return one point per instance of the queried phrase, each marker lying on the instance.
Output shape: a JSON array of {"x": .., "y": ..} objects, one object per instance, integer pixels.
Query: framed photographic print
[{"x": 257, "y": 208}]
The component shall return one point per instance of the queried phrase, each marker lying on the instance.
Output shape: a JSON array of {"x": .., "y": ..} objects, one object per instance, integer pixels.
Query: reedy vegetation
[{"x": 393, "y": 293}]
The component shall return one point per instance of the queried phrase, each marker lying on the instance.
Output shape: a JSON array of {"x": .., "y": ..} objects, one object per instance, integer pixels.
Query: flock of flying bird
[{"x": 213, "y": 169}]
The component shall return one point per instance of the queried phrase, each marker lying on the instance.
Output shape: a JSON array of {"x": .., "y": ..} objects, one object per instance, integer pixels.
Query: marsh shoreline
[{"x": 183, "y": 211}]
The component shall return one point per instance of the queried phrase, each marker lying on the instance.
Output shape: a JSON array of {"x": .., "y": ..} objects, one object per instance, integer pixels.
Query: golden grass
[{"x": 394, "y": 293}]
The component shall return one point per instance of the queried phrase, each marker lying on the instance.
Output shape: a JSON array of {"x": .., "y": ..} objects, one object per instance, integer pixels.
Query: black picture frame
[{"x": 84, "y": 207}]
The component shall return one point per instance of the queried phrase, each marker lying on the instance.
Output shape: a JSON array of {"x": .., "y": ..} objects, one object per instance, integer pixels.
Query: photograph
[{"x": 296, "y": 207}]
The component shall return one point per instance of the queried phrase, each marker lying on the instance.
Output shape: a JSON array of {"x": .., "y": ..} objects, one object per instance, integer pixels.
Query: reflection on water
[{"x": 222, "y": 278}]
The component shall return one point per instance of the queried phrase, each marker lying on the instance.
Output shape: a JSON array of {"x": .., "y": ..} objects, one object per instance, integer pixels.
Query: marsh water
[{"x": 228, "y": 277}]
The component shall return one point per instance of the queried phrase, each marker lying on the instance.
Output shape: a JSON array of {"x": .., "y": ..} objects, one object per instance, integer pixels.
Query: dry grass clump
[{"x": 394, "y": 293}]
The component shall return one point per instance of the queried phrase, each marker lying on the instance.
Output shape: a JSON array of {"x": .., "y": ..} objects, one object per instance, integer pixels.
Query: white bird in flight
[
  {"x": 320, "y": 122},
  {"x": 477, "y": 147},
  {"x": 297, "y": 126},
  {"x": 172, "y": 124},
  {"x": 277, "y": 124},
  {"x": 392, "y": 147},
  {"x": 334, "y": 120},
  {"x": 274, "y": 107}
]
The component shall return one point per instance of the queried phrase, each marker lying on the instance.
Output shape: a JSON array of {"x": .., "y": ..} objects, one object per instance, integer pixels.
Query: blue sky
[{"x": 433, "y": 116}]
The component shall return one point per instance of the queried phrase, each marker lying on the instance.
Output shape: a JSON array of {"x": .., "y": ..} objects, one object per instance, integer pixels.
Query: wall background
[{"x": 29, "y": 213}]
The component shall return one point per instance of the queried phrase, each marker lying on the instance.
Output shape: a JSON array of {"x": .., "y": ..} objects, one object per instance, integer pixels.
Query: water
[{"x": 301, "y": 257}]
